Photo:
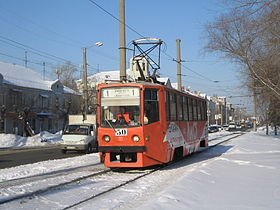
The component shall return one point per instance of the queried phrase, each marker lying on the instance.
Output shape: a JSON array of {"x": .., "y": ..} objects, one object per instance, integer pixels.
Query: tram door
[{"x": 153, "y": 128}]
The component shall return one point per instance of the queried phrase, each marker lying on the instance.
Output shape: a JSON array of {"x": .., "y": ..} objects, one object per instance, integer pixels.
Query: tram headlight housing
[
  {"x": 136, "y": 138},
  {"x": 106, "y": 138}
]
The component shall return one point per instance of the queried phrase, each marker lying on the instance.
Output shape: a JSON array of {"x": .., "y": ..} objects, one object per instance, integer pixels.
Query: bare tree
[
  {"x": 249, "y": 34},
  {"x": 66, "y": 73}
]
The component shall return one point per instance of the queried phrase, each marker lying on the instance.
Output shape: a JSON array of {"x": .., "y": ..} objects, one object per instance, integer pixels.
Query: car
[
  {"x": 79, "y": 137},
  {"x": 213, "y": 129},
  {"x": 232, "y": 126},
  {"x": 238, "y": 126},
  {"x": 226, "y": 127}
]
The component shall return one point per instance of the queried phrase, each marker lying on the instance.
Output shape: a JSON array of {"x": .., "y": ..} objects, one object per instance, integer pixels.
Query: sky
[
  {"x": 53, "y": 32},
  {"x": 242, "y": 173}
]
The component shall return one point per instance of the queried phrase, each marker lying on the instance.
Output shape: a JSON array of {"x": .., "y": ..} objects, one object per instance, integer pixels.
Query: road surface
[{"x": 16, "y": 157}]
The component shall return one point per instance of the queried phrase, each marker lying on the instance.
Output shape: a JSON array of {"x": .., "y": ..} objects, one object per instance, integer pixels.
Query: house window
[
  {"x": 44, "y": 101},
  {"x": 2, "y": 99}
]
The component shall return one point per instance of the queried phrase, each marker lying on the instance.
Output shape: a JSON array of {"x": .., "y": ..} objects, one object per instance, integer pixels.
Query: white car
[
  {"x": 232, "y": 126},
  {"x": 79, "y": 137}
]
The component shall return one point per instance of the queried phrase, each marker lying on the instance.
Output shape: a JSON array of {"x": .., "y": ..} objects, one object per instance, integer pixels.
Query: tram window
[
  {"x": 167, "y": 106},
  {"x": 151, "y": 106},
  {"x": 198, "y": 110},
  {"x": 205, "y": 110},
  {"x": 194, "y": 109},
  {"x": 190, "y": 107},
  {"x": 179, "y": 107},
  {"x": 202, "y": 110},
  {"x": 173, "y": 111},
  {"x": 185, "y": 108}
]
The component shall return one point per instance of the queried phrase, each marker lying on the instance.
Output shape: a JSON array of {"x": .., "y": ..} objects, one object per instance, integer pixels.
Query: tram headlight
[
  {"x": 106, "y": 138},
  {"x": 135, "y": 138}
]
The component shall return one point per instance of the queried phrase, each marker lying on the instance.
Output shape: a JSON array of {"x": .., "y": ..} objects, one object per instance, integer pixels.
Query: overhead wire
[
  {"x": 39, "y": 25},
  {"x": 132, "y": 29},
  {"x": 38, "y": 52},
  {"x": 77, "y": 43}
]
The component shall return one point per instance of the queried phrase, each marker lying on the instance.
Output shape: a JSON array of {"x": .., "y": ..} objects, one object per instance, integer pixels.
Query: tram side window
[
  {"x": 205, "y": 110},
  {"x": 185, "y": 105},
  {"x": 194, "y": 109},
  {"x": 199, "y": 110},
  {"x": 167, "y": 106},
  {"x": 173, "y": 111},
  {"x": 179, "y": 107},
  {"x": 202, "y": 110},
  {"x": 151, "y": 107},
  {"x": 190, "y": 107}
]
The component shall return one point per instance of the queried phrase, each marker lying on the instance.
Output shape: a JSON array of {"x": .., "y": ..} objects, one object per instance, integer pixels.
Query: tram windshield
[{"x": 120, "y": 107}]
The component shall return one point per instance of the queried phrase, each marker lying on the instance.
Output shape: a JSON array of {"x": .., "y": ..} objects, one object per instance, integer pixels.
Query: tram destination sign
[{"x": 120, "y": 92}]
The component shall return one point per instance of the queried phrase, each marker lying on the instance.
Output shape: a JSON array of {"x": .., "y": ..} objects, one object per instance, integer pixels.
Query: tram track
[
  {"x": 98, "y": 177},
  {"x": 150, "y": 172},
  {"x": 30, "y": 180}
]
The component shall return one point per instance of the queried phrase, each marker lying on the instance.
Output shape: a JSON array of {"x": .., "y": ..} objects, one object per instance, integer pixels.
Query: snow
[
  {"x": 42, "y": 139},
  {"x": 240, "y": 174},
  {"x": 25, "y": 77}
]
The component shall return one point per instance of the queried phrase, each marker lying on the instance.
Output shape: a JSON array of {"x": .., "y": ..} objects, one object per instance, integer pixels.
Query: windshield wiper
[{"x": 110, "y": 124}]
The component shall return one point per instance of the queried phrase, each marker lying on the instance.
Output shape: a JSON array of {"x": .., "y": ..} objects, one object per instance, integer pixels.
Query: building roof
[{"x": 25, "y": 77}]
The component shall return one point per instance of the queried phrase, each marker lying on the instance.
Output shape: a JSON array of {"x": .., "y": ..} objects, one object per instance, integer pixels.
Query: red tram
[{"x": 144, "y": 124}]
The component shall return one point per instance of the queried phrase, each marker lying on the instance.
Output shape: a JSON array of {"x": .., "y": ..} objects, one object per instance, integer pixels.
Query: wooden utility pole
[
  {"x": 44, "y": 70},
  {"x": 85, "y": 80},
  {"x": 25, "y": 59},
  {"x": 179, "y": 75},
  {"x": 122, "y": 48}
]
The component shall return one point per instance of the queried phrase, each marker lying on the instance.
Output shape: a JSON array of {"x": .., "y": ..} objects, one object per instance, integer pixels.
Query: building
[
  {"x": 29, "y": 104},
  {"x": 219, "y": 111}
]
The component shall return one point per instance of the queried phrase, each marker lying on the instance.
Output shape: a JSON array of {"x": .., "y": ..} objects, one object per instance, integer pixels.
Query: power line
[
  {"x": 104, "y": 10},
  {"x": 77, "y": 43},
  {"x": 202, "y": 76},
  {"x": 30, "y": 61},
  {"x": 169, "y": 56},
  {"x": 41, "y": 26},
  {"x": 39, "y": 52}
]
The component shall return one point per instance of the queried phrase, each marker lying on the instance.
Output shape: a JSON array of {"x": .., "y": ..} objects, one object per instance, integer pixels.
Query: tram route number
[{"x": 121, "y": 132}]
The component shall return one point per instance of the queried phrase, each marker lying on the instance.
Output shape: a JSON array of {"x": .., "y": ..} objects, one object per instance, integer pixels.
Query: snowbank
[{"x": 42, "y": 139}]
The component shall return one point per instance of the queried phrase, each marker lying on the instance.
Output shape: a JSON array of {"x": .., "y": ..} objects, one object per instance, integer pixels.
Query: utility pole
[
  {"x": 179, "y": 75},
  {"x": 226, "y": 111},
  {"x": 44, "y": 70},
  {"x": 85, "y": 80},
  {"x": 25, "y": 59},
  {"x": 122, "y": 48}
]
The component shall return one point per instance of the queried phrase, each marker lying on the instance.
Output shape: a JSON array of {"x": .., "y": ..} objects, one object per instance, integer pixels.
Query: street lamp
[{"x": 85, "y": 91}]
